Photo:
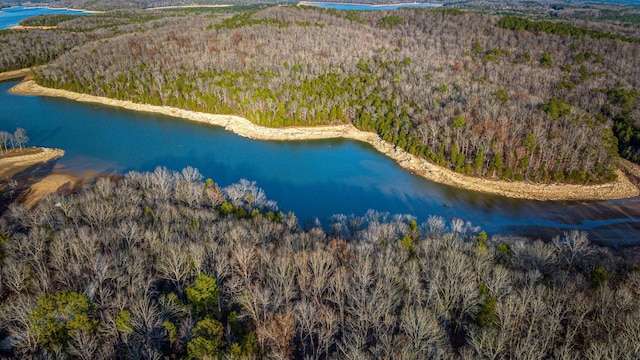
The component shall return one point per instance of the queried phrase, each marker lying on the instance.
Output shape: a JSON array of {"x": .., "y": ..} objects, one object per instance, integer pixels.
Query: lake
[
  {"x": 311, "y": 178},
  {"x": 10, "y": 17},
  {"x": 366, "y": 7}
]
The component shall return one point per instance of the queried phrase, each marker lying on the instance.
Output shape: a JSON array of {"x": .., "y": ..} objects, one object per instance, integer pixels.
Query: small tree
[
  {"x": 59, "y": 316},
  {"x": 207, "y": 339},
  {"x": 20, "y": 138},
  {"x": 545, "y": 60},
  {"x": 203, "y": 296},
  {"x": 5, "y": 139}
]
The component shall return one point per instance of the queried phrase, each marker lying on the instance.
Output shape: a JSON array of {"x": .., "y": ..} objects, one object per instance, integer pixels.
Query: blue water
[
  {"x": 365, "y": 7},
  {"x": 10, "y": 17},
  {"x": 311, "y": 178}
]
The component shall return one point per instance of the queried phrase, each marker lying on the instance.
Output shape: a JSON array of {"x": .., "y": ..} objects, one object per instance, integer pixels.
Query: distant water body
[
  {"x": 366, "y": 7},
  {"x": 10, "y": 17},
  {"x": 369, "y": 7}
]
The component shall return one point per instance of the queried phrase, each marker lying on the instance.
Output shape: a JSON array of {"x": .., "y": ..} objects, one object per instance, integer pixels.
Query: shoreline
[
  {"x": 57, "y": 8},
  {"x": 13, "y": 165},
  {"x": 14, "y": 74},
  {"x": 22, "y": 27},
  {"x": 618, "y": 189}
]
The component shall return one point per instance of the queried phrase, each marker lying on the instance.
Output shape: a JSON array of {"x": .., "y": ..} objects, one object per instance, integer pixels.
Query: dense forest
[
  {"x": 503, "y": 98},
  {"x": 165, "y": 264}
]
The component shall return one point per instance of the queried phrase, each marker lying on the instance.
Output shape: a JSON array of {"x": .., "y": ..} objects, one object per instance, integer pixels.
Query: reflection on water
[{"x": 312, "y": 178}]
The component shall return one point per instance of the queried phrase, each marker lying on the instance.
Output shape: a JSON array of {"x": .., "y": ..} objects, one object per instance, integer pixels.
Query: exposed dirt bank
[
  {"x": 50, "y": 184},
  {"x": 16, "y": 162},
  {"x": 620, "y": 188},
  {"x": 15, "y": 74},
  {"x": 22, "y": 27}
]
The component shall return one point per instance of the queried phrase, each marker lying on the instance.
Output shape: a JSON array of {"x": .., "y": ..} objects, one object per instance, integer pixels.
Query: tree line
[
  {"x": 450, "y": 86},
  {"x": 167, "y": 264},
  {"x": 17, "y": 140}
]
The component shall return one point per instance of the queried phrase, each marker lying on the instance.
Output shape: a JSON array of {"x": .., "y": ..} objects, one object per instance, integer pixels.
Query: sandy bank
[
  {"x": 50, "y": 184},
  {"x": 620, "y": 188},
  {"x": 21, "y": 27},
  {"x": 15, "y": 74},
  {"x": 20, "y": 161}
]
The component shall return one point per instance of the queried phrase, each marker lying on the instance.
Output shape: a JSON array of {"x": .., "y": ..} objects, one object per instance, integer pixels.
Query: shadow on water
[{"x": 17, "y": 187}]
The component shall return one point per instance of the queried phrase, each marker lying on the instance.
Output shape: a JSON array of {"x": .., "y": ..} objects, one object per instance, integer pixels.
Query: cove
[
  {"x": 313, "y": 179},
  {"x": 10, "y": 17}
]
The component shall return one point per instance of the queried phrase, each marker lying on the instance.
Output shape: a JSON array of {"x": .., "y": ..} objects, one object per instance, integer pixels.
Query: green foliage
[
  {"x": 501, "y": 95},
  {"x": 58, "y": 316},
  {"x": 626, "y": 129},
  {"x": 244, "y": 19},
  {"x": 226, "y": 208},
  {"x": 203, "y": 296},
  {"x": 172, "y": 331},
  {"x": 556, "y": 108},
  {"x": 389, "y": 22},
  {"x": 123, "y": 322},
  {"x": 249, "y": 347},
  {"x": 516, "y": 23},
  {"x": 481, "y": 245},
  {"x": 48, "y": 20},
  {"x": 588, "y": 56},
  {"x": 496, "y": 164},
  {"x": 4, "y": 238},
  {"x": 459, "y": 122},
  {"x": 487, "y": 316},
  {"x": 207, "y": 339},
  {"x": 477, "y": 48},
  {"x": 599, "y": 277},
  {"x": 625, "y": 99},
  {"x": 545, "y": 60},
  {"x": 453, "y": 157},
  {"x": 530, "y": 142},
  {"x": 627, "y": 133},
  {"x": 413, "y": 225},
  {"x": 407, "y": 243},
  {"x": 503, "y": 253},
  {"x": 495, "y": 55},
  {"x": 483, "y": 238},
  {"x": 354, "y": 16},
  {"x": 478, "y": 161}
]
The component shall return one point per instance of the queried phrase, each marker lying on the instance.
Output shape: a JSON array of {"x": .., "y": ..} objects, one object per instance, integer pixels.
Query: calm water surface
[
  {"x": 10, "y": 17},
  {"x": 365, "y": 7},
  {"x": 311, "y": 178}
]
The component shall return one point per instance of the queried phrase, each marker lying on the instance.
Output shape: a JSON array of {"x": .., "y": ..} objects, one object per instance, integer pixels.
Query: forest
[
  {"x": 169, "y": 265},
  {"x": 479, "y": 94}
]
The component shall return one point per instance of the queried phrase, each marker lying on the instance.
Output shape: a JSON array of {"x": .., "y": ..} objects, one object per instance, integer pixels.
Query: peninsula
[{"x": 17, "y": 161}]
